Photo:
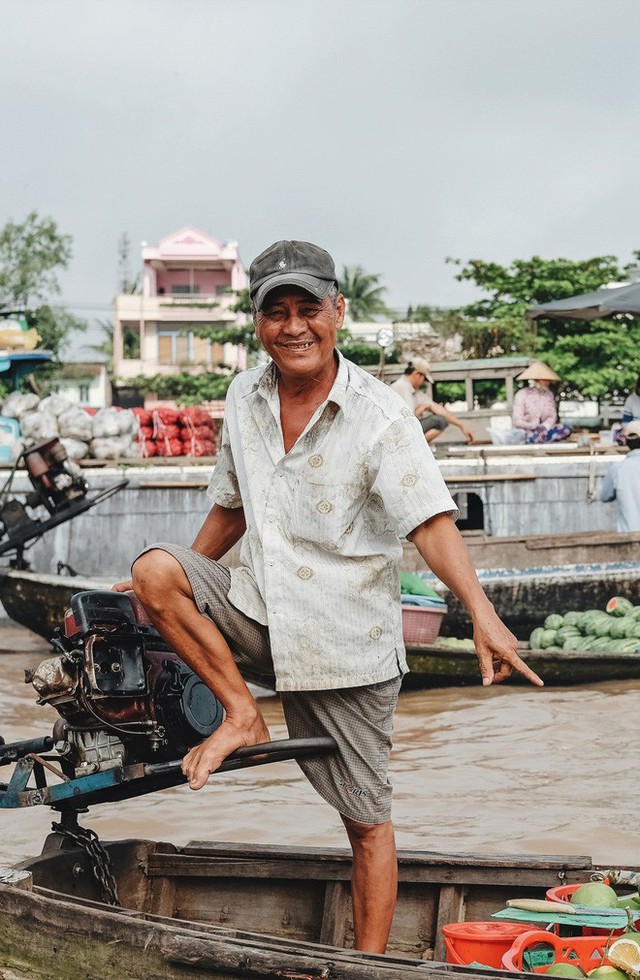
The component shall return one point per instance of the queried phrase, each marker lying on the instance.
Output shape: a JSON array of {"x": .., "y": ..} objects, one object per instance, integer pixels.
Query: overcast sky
[{"x": 392, "y": 133}]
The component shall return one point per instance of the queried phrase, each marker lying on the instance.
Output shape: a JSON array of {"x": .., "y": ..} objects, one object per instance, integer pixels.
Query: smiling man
[{"x": 323, "y": 470}]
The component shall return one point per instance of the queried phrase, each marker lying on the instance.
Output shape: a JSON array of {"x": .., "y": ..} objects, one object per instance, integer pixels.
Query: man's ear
[{"x": 341, "y": 309}]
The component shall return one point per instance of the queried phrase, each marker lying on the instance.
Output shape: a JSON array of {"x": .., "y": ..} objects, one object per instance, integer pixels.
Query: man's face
[
  {"x": 417, "y": 378},
  {"x": 299, "y": 331}
]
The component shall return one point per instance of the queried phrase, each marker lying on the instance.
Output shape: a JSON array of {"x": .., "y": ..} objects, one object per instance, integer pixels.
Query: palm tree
[{"x": 364, "y": 293}]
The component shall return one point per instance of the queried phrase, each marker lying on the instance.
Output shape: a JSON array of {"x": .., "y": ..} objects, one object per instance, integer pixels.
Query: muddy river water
[{"x": 499, "y": 770}]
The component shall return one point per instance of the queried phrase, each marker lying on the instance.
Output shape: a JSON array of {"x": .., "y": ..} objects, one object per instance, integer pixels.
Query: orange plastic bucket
[{"x": 481, "y": 942}]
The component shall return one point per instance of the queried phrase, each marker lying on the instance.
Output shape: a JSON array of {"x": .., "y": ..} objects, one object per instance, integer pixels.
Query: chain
[{"x": 89, "y": 841}]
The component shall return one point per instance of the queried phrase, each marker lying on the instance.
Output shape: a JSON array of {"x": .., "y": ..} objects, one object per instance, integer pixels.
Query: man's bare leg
[
  {"x": 163, "y": 588},
  {"x": 432, "y": 434},
  {"x": 374, "y": 883}
]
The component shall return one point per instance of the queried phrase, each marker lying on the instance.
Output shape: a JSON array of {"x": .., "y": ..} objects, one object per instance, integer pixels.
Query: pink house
[{"x": 188, "y": 279}]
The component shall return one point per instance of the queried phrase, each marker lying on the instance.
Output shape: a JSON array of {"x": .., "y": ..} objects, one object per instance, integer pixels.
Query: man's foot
[{"x": 203, "y": 759}]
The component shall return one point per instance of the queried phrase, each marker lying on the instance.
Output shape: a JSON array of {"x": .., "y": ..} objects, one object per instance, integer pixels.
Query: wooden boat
[
  {"x": 522, "y": 597},
  {"x": 541, "y": 550},
  {"x": 433, "y": 666},
  {"x": 243, "y": 910}
]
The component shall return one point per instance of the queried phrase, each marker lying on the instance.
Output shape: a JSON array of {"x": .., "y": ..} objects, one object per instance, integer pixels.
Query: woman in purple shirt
[{"x": 534, "y": 407}]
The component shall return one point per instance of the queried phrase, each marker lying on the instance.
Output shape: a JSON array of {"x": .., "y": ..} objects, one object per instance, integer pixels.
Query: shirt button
[
  {"x": 375, "y": 633},
  {"x": 305, "y": 573},
  {"x": 270, "y": 564}
]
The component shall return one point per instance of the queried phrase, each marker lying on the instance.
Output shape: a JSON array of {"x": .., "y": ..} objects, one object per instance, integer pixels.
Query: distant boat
[
  {"x": 434, "y": 666},
  {"x": 522, "y": 598}
]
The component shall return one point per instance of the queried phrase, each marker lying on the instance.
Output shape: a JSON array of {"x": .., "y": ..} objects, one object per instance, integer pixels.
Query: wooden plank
[
  {"x": 171, "y": 485},
  {"x": 337, "y": 906},
  {"x": 194, "y": 866},
  {"x": 44, "y": 938},
  {"x": 451, "y": 908},
  {"x": 164, "y": 897},
  {"x": 491, "y": 478},
  {"x": 405, "y": 855}
]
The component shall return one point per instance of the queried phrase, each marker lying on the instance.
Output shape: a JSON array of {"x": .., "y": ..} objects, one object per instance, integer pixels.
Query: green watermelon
[
  {"x": 563, "y": 634},
  {"x": 619, "y": 627},
  {"x": 553, "y": 622},
  {"x": 602, "y": 627},
  {"x": 572, "y": 618},
  {"x": 547, "y": 639},
  {"x": 619, "y": 606},
  {"x": 536, "y": 638}
]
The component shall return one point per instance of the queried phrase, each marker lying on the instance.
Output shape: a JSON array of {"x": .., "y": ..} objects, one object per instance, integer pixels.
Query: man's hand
[
  {"x": 440, "y": 543},
  {"x": 467, "y": 433},
  {"x": 497, "y": 651},
  {"x": 123, "y": 586}
]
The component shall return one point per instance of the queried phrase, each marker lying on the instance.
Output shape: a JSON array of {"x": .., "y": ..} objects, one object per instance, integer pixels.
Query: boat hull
[
  {"x": 432, "y": 666},
  {"x": 232, "y": 910}
]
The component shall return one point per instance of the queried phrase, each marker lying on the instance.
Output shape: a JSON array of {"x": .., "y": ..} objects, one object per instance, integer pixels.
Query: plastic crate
[
  {"x": 421, "y": 624},
  {"x": 536, "y": 950}
]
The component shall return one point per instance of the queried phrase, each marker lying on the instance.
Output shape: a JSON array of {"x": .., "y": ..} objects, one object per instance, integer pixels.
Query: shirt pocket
[{"x": 325, "y": 509}]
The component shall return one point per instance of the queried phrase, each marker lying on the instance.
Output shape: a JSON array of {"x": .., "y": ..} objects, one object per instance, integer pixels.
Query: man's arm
[
  {"x": 608, "y": 487},
  {"x": 222, "y": 528},
  {"x": 440, "y": 544},
  {"x": 449, "y": 416}
]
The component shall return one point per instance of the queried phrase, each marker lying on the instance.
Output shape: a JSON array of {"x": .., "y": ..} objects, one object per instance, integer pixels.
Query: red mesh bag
[
  {"x": 169, "y": 447},
  {"x": 144, "y": 416}
]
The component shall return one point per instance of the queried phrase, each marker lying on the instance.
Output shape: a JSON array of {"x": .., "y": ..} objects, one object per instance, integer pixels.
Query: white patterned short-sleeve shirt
[{"x": 321, "y": 552}]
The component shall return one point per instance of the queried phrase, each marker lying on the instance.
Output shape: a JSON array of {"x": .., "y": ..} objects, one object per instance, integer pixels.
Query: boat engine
[
  {"x": 122, "y": 695},
  {"x": 60, "y": 492}
]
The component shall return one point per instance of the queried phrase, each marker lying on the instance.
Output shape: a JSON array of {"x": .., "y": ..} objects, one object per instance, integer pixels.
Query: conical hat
[{"x": 538, "y": 372}]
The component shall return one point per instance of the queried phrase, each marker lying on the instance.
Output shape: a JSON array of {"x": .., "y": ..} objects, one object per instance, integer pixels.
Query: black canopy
[{"x": 591, "y": 306}]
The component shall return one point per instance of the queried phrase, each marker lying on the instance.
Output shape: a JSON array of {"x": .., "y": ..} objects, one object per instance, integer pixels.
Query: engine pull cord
[{"x": 99, "y": 859}]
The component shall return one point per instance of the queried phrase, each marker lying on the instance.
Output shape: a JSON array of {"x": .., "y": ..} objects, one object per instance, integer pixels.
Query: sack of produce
[
  {"x": 74, "y": 423},
  {"x": 16, "y": 404},
  {"x": 113, "y": 447},
  {"x": 56, "y": 404},
  {"x": 75, "y": 448},
  {"x": 106, "y": 423},
  {"x": 39, "y": 427}
]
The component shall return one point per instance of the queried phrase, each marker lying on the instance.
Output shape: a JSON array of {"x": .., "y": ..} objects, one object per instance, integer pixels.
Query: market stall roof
[
  {"x": 591, "y": 306},
  {"x": 22, "y": 362}
]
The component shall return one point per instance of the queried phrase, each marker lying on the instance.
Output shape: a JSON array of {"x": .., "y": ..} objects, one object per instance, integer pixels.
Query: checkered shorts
[{"x": 354, "y": 779}]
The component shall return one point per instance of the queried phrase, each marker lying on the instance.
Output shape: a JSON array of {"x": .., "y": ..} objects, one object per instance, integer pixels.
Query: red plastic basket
[
  {"x": 536, "y": 950},
  {"x": 563, "y": 893},
  {"x": 480, "y": 942},
  {"x": 421, "y": 624}
]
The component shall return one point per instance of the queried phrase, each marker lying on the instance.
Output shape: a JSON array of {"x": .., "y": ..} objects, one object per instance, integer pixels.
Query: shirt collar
[{"x": 267, "y": 384}]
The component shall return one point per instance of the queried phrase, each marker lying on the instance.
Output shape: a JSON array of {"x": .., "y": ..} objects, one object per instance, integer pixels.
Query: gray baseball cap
[{"x": 291, "y": 264}]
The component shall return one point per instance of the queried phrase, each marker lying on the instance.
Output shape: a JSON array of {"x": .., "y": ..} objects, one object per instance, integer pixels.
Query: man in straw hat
[
  {"x": 622, "y": 482},
  {"x": 433, "y": 418},
  {"x": 322, "y": 472},
  {"x": 534, "y": 406}
]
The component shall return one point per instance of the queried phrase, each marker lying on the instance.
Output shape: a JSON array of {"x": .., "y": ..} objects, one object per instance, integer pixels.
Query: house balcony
[{"x": 186, "y": 307}]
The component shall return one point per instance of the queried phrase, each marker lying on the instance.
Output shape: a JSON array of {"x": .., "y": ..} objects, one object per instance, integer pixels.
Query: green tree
[
  {"x": 594, "y": 359},
  {"x": 186, "y": 389},
  {"x": 364, "y": 292},
  {"x": 31, "y": 255}
]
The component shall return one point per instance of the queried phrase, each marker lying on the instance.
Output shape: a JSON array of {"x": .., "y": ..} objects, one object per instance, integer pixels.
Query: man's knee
[
  {"x": 362, "y": 835},
  {"x": 156, "y": 575}
]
